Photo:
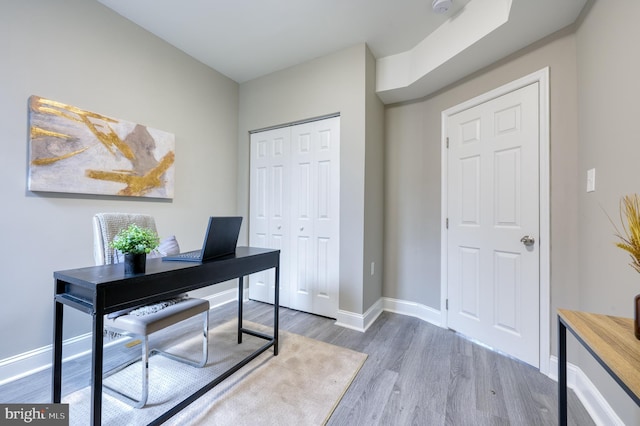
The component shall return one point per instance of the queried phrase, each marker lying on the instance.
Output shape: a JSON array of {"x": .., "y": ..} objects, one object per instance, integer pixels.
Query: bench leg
[{"x": 146, "y": 353}]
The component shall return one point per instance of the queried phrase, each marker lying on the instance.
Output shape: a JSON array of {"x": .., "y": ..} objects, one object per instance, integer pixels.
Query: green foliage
[
  {"x": 135, "y": 240},
  {"x": 630, "y": 236}
]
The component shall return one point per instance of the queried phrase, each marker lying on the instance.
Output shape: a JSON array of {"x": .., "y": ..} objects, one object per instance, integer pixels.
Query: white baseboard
[
  {"x": 224, "y": 297},
  {"x": 24, "y": 364},
  {"x": 412, "y": 309},
  {"x": 359, "y": 322},
  {"x": 591, "y": 398}
]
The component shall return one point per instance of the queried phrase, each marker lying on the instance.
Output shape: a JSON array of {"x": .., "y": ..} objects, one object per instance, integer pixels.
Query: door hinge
[
  {"x": 447, "y": 223},
  {"x": 447, "y": 142},
  {"x": 447, "y": 304}
]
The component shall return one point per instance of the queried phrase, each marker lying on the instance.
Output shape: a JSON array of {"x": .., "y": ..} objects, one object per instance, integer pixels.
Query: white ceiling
[{"x": 246, "y": 39}]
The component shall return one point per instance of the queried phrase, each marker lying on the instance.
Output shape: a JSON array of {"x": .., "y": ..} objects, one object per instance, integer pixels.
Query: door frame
[{"x": 542, "y": 78}]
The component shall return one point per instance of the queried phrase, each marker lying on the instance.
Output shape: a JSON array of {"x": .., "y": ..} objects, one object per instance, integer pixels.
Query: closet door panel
[
  {"x": 302, "y": 190},
  {"x": 327, "y": 216},
  {"x": 269, "y": 208}
]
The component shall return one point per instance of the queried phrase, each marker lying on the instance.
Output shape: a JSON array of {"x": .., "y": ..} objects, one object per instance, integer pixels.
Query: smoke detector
[{"x": 441, "y": 6}]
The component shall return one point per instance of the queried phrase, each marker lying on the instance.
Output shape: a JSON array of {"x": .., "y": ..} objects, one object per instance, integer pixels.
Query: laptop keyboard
[{"x": 189, "y": 255}]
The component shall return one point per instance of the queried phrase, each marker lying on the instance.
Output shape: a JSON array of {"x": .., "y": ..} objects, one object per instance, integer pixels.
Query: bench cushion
[{"x": 147, "y": 324}]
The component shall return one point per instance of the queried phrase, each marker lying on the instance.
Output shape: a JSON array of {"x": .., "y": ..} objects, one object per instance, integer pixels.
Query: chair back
[{"x": 107, "y": 225}]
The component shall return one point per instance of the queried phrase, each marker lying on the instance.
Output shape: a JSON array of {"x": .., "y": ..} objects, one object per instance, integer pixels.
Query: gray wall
[
  {"x": 593, "y": 88},
  {"x": 81, "y": 53},
  {"x": 608, "y": 87},
  {"x": 413, "y": 181},
  {"x": 374, "y": 191},
  {"x": 335, "y": 83}
]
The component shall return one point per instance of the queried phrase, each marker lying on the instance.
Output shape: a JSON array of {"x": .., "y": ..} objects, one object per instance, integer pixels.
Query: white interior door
[
  {"x": 493, "y": 256},
  {"x": 269, "y": 208}
]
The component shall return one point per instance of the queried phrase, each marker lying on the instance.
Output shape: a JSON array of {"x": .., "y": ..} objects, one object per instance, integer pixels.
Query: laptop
[{"x": 220, "y": 240}]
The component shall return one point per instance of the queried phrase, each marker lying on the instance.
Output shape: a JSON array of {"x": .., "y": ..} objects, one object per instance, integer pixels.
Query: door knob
[{"x": 528, "y": 240}]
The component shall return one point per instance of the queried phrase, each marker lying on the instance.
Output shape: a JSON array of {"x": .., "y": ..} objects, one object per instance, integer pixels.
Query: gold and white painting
[{"x": 82, "y": 152}]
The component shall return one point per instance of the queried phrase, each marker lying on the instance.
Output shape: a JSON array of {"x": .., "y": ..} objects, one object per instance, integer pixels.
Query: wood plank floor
[{"x": 416, "y": 374}]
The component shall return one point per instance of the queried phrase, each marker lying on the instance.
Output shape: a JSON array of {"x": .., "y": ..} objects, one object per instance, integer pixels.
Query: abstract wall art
[{"x": 76, "y": 151}]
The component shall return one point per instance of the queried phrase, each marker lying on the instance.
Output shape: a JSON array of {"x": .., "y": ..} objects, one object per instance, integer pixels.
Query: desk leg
[
  {"x": 56, "y": 389},
  {"x": 276, "y": 306},
  {"x": 96, "y": 370},
  {"x": 240, "y": 306},
  {"x": 562, "y": 373}
]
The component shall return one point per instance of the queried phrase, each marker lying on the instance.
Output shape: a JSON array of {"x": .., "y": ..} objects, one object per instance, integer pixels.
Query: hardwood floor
[{"x": 416, "y": 374}]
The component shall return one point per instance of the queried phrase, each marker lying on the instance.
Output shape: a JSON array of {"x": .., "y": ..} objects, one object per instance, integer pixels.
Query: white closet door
[
  {"x": 294, "y": 207},
  {"x": 269, "y": 208},
  {"x": 315, "y": 185}
]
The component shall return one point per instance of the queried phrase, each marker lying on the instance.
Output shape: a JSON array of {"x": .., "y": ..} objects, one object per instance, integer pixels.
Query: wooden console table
[{"x": 610, "y": 340}]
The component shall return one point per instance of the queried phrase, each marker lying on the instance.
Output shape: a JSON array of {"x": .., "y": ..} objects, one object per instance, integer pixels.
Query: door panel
[
  {"x": 508, "y": 290},
  {"x": 316, "y": 215},
  {"x": 470, "y": 282},
  {"x": 493, "y": 279},
  {"x": 268, "y": 208}
]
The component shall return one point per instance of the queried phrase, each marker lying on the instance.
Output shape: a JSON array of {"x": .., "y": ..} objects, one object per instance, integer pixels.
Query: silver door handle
[{"x": 528, "y": 240}]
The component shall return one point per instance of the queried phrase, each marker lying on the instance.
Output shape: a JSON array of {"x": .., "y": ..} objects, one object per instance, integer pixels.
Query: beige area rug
[{"x": 300, "y": 386}]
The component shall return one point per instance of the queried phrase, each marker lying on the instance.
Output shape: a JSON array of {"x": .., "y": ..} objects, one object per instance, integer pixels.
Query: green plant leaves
[{"x": 135, "y": 240}]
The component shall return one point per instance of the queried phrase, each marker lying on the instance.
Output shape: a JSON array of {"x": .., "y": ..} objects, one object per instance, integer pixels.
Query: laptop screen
[{"x": 221, "y": 237}]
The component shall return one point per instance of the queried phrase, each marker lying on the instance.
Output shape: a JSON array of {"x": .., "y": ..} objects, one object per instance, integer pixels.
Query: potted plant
[
  {"x": 135, "y": 242},
  {"x": 629, "y": 241}
]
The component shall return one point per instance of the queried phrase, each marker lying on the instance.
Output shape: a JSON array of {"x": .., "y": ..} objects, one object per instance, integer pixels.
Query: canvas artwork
[{"x": 78, "y": 151}]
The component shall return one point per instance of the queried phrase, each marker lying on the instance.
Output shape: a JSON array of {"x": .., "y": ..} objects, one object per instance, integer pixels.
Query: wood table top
[{"x": 612, "y": 340}]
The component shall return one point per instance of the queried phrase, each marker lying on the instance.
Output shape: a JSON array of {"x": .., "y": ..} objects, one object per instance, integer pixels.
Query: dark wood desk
[
  {"x": 610, "y": 340},
  {"x": 100, "y": 290}
]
